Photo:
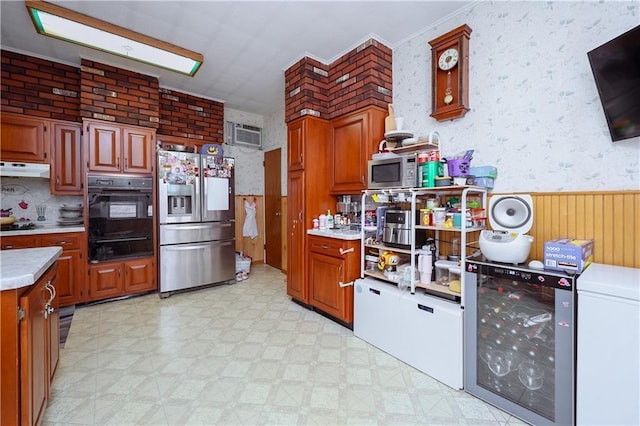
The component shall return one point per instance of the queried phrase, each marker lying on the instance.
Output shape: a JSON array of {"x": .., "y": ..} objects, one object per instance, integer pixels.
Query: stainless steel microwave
[{"x": 396, "y": 172}]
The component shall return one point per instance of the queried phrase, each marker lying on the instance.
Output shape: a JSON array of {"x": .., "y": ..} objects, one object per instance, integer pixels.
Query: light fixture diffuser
[{"x": 64, "y": 24}]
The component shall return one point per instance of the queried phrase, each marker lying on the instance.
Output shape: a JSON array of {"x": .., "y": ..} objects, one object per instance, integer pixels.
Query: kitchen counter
[
  {"x": 331, "y": 233},
  {"x": 43, "y": 229},
  {"x": 22, "y": 267}
]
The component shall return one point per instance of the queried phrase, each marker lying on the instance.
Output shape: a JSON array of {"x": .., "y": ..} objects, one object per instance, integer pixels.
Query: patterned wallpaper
[
  {"x": 535, "y": 111},
  {"x": 249, "y": 178}
]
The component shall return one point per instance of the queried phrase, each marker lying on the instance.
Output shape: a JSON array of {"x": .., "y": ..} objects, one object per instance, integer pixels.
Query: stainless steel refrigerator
[{"x": 196, "y": 220}]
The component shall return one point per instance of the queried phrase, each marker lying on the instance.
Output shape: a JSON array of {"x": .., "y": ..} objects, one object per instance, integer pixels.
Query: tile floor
[{"x": 240, "y": 354}]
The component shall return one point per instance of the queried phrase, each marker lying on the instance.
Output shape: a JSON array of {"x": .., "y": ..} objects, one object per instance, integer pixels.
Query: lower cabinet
[
  {"x": 334, "y": 264},
  {"x": 72, "y": 286},
  {"x": 421, "y": 330},
  {"x": 30, "y": 349},
  {"x": 113, "y": 279}
]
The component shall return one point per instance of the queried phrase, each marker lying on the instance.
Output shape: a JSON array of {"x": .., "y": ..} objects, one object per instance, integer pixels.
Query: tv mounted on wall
[{"x": 616, "y": 69}]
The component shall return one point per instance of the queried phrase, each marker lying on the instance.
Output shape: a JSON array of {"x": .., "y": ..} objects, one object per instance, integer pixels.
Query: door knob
[{"x": 278, "y": 213}]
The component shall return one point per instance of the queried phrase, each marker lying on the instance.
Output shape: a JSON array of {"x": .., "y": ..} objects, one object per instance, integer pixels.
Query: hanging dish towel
[{"x": 250, "y": 227}]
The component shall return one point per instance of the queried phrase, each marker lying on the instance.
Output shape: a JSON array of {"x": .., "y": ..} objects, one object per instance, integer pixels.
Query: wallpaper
[{"x": 535, "y": 111}]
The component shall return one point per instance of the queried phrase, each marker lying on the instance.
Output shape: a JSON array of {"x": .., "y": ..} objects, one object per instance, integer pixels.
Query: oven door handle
[{"x": 121, "y": 240}]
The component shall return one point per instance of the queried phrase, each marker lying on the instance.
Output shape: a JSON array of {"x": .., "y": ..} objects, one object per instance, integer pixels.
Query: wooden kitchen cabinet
[
  {"x": 66, "y": 159},
  {"x": 333, "y": 266},
  {"x": 307, "y": 194},
  {"x": 119, "y": 149},
  {"x": 72, "y": 287},
  {"x": 354, "y": 138},
  {"x": 30, "y": 349},
  {"x": 114, "y": 279},
  {"x": 192, "y": 145},
  {"x": 138, "y": 275},
  {"x": 24, "y": 138}
]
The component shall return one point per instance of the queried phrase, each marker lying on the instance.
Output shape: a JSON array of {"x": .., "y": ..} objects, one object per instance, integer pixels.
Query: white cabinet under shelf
[{"x": 421, "y": 330}]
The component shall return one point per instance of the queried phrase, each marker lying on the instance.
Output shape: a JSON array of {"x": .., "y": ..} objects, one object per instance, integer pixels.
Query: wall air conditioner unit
[{"x": 244, "y": 135}]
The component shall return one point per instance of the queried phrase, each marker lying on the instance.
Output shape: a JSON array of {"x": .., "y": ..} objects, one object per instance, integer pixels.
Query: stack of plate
[{"x": 70, "y": 214}]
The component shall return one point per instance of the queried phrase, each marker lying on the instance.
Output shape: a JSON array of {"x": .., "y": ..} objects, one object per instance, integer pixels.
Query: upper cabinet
[
  {"x": 119, "y": 149},
  {"x": 354, "y": 138},
  {"x": 66, "y": 159},
  {"x": 295, "y": 138},
  {"x": 24, "y": 139}
]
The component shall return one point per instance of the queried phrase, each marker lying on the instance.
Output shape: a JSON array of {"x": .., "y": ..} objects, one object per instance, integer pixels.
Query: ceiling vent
[{"x": 244, "y": 135}]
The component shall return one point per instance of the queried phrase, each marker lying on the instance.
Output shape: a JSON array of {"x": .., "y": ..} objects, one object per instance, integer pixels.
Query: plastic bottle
[
  {"x": 329, "y": 220},
  {"x": 323, "y": 221}
]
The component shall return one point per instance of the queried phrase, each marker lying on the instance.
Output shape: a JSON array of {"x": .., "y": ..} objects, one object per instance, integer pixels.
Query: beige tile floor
[{"x": 240, "y": 354}]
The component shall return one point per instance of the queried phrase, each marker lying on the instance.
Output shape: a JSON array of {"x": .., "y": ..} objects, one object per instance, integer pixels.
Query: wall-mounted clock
[{"x": 450, "y": 74}]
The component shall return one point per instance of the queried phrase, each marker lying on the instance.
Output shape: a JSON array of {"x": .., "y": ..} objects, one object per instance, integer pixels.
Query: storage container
[
  {"x": 458, "y": 167},
  {"x": 484, "y": 171},
  {"x": 442, "y": 271},
  {"x": 485, "y": 182}
]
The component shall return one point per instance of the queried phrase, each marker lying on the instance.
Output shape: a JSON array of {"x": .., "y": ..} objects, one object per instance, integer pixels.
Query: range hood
[{"x": 34, "y": 170}]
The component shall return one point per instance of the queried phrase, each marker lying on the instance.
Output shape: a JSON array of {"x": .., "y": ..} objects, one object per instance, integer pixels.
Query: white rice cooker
[{"x": 511, "y": 217}]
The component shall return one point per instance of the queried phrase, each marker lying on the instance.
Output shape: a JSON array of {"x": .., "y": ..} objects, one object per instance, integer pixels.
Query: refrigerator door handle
[
  {"x": 198, "y": 247},
  {"x": 201, "y": 226}
]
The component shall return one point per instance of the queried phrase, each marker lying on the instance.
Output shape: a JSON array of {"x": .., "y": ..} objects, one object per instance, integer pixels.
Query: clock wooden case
[{"x": 450, "y": 74}]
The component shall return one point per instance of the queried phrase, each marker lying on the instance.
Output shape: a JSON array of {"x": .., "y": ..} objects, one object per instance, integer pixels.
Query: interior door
[{"x": 273, "y": 208}]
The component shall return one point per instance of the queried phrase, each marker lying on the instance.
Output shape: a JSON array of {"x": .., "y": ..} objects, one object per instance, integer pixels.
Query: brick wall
[
  {"x": 306, "y": 89},
  {"x": 40, "y": 88},
  {"x": 360, "y": 78},
  {"x": 118, "y": 95},
  {"x": 189, "y": 116}
]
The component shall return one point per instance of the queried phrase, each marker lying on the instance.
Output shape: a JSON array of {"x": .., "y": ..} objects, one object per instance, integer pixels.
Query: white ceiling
[{"x": 246, "y": 45}]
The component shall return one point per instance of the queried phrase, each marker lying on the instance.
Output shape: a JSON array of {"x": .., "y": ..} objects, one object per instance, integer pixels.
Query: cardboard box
[{"x": 568, "y": 254}]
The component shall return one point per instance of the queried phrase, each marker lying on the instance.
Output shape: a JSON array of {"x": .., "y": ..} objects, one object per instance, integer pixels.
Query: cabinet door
[
  {"x": 104, "y": 147},
  {"x": 325, "y": 274},
  {"x": 71, "y": 286},
  {"x": 33, "y": 355},
  {"x": 137, "y": 151},
  {"x": 24, "y": 139},
  {"x": 53, "y": 327},
  {"x": 296, "y": 283},
  {"x": 66, "y": 173},
  {"x": 105, "y": 280},
  {"x": 71, "y": 272},
  {"x": 295, "y": 150},
  {"x": 138, "y": 275},
  {"x": 348, "y": 153}
]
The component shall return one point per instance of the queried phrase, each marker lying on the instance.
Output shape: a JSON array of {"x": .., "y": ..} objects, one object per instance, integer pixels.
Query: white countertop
[
  {"x": 341, "y": 235},
  {"x": 22, "y": 267},
  {"x": 48, "y": 229}
]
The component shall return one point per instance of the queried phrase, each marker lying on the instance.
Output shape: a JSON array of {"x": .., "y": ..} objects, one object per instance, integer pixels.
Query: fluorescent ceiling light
[{"x": 65, "y": 24}]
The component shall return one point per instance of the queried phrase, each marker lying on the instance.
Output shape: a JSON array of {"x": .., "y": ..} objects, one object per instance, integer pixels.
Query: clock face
[{"x": 448, "y": 59}]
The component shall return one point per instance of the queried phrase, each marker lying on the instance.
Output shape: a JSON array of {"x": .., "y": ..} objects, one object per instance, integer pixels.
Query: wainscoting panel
[
  {"x": 250, "y": 247},
  {"x": 610, "y": 218}
]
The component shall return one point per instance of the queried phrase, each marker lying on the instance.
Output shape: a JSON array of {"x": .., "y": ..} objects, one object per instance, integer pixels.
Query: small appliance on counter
[{"x": 511, "y": 217}]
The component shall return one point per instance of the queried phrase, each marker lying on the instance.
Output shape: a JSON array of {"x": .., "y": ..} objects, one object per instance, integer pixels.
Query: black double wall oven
[{"x": 120, "y": 217}]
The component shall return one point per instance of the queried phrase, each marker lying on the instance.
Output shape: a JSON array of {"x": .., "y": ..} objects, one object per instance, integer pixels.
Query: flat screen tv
[{"x": 616, "y": 69}]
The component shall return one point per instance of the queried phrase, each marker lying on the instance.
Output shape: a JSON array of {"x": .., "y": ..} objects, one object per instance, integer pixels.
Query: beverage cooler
[{"x": 519, "y": 327}]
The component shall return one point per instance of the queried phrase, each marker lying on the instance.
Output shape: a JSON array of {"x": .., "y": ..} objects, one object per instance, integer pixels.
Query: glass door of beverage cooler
[{"x": 519, "y": 340}]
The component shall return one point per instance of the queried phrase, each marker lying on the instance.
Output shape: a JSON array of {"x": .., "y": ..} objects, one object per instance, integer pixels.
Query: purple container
[{"x": 458, "y": 166}]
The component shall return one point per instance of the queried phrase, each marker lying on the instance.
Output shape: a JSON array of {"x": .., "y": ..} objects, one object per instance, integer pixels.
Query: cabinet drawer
[
  {"x": 328, "y": 246},
  {"x": 19, "y": 242},
  {"x": 66, "y": 241}
]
